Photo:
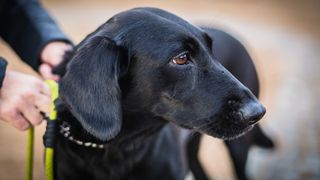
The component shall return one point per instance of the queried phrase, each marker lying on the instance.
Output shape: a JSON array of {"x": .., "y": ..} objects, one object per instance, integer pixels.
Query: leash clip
[{"x": 49, "y": 136}]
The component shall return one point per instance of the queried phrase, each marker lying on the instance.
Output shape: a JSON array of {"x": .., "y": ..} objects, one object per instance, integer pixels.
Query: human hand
[
  {"x": 51, "y": 55},
  {"x": 22, "y": 98}
]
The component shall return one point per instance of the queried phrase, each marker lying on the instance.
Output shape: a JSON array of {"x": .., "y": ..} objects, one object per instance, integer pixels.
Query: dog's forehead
[
  {"x": 152, "y": 33},
  {"x": 144, "y": 23}
]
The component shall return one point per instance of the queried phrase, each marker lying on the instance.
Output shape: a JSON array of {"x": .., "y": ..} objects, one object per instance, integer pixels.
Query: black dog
[{"x": 126, "y": 87}]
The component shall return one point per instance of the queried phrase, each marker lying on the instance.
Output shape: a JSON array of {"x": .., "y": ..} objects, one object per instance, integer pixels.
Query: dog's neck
[{"x": 136, "y": 127}]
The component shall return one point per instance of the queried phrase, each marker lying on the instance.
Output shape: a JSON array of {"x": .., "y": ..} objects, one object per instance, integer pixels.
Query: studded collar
[{"x": 65, "y": 128}]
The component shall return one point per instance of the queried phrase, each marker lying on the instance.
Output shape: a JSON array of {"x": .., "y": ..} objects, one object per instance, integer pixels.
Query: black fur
[{"x": 122, "y": 88}]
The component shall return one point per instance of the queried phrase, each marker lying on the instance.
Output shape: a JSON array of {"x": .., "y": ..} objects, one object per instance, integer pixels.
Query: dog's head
[{"x": 149, "y": 60}]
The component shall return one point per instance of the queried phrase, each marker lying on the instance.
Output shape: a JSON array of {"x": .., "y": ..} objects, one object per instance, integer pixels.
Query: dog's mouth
[
  {"x": 225, "y": 127},
  {"x": 225, "y": 134}
]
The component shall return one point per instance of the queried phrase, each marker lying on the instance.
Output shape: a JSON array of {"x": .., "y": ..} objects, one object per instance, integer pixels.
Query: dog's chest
[
  {"x": 112, "y": 162},
  {"x": 158, "y": 157}
]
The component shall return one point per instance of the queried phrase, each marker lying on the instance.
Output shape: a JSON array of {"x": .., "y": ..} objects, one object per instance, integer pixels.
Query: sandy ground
[{"x": 284, "y": 40}]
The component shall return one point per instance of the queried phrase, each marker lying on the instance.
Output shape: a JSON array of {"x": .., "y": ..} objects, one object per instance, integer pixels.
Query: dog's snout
[{"x": 252, "y": 112}]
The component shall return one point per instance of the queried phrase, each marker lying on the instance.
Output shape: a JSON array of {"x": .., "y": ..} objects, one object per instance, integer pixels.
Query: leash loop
[{"x": 48, "y": 138}]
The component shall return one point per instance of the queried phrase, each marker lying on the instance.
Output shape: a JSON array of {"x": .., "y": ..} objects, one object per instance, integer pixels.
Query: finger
[
  {"x": 19, "y": 122},
  {"x": 31, "y": 113},
  {"x": 37, "y": 99},
  {"x": 45, "y": 89},
  {"x": 54, "y": 77},
  {"x": 13, "y": 117},
  {"x": 56, "y": 58},
  {"x": 42, "y": 102},
  {"x": 45, "y": 71}
]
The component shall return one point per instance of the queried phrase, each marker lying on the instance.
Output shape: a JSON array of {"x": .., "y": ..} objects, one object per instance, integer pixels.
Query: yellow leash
[
  {"x": 48, "y": 137},
  {"x": 30, "y": 154}
]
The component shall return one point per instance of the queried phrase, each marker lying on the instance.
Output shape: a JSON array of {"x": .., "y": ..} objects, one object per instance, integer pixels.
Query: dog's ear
[{"x": 90, "y": 86}]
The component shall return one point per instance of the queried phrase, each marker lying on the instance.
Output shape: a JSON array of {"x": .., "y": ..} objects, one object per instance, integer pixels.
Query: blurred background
[{"x": 283, "y": 38}]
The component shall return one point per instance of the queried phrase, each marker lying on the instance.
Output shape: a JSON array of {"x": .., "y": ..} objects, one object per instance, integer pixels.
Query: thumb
[{"x": 45, "y": 71}]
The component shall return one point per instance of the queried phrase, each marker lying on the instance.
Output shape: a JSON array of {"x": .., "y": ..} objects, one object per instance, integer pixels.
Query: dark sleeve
[
  {"x": 3, "y": 66},
  {"x": 27, "y": 28}
]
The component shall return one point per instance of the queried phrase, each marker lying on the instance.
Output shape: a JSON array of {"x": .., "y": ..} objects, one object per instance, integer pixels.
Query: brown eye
[{"x": 181, "y": 59}]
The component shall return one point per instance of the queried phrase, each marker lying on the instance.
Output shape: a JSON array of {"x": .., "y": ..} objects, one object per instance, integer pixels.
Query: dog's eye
[{"x": 181, "y": 59}]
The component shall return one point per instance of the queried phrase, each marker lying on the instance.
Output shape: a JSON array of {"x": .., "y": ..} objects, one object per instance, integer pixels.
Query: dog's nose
[{"x": 252, "y": 112}]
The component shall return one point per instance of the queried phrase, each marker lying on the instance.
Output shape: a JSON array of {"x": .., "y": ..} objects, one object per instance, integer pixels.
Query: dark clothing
[
  {"x": 3, "y": 66},
  {"x": 27, "y": 28}
]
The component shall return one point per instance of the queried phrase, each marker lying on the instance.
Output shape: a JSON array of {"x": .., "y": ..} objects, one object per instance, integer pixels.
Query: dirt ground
[{"x": 282, "y": 37}]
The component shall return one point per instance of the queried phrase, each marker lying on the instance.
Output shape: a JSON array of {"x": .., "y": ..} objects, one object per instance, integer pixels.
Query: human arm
[{"x": 32, "y": 34}]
